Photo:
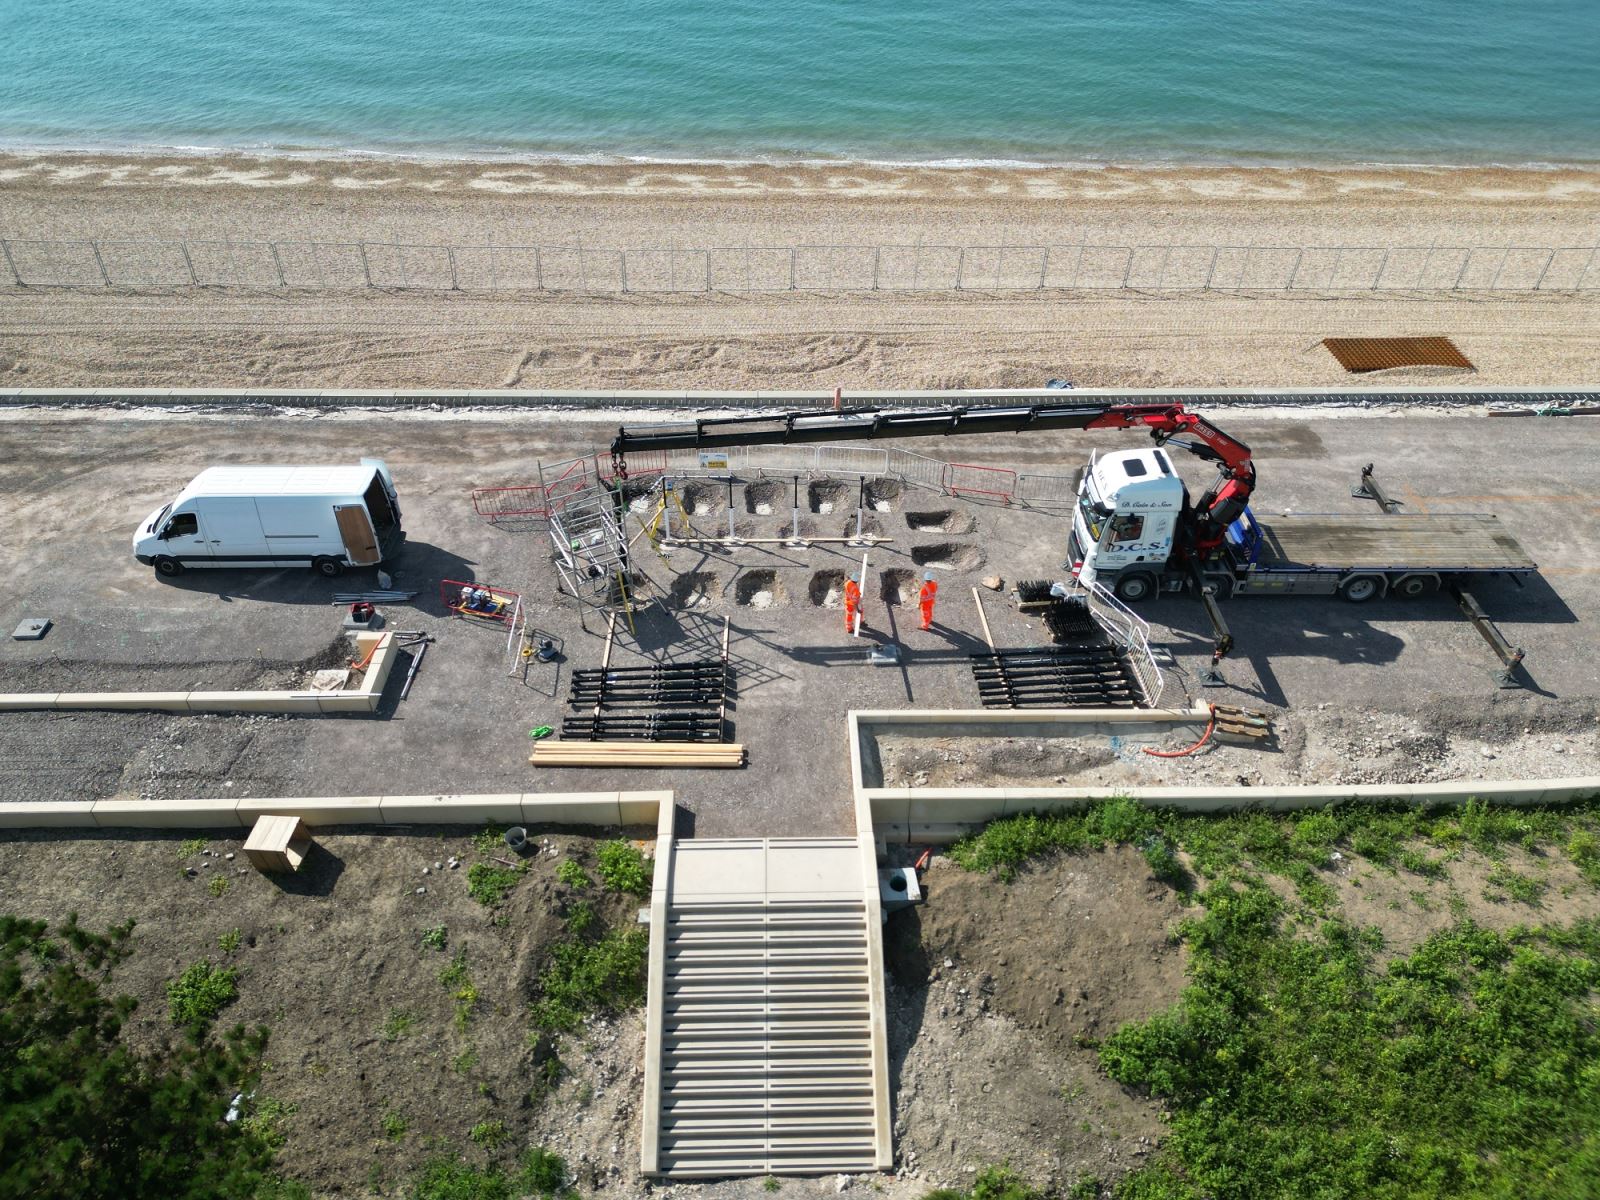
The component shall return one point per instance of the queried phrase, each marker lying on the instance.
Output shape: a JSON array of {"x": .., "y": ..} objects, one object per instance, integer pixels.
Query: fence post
[
  {"x": 1584, "y": 274},
  {"x": 1549, "y": 258},
  {"x": 1044, "y": 268},
  {"x": 277, "y": 262},
  {"x": 961, "y": 267},
  {"x": 1294, "y": 271},
  {"x": 1127, "y": 269},
  {"x": 11, "y": 262},
  {"x": 1211, "y": 268},
  {"x": 194, "y": 279},
  {"x": 1466, "y": 261},
  {"x": 876, "y": 251},
  {"x": 366, "y": 267},
  {"x": 791, "y": 268},
  {"x": 101, "y": 263},
  {"x": 1494, "y": 284},
  {"x": 622, "y": 260},
  {"x": 400, "y": 261},
  {"x": 1382, "y": 263},
  {"x": 455, "y": 282}
]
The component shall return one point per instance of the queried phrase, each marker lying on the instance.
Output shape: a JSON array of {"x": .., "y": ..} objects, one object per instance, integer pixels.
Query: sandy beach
[{"x": 283, "y": 337}]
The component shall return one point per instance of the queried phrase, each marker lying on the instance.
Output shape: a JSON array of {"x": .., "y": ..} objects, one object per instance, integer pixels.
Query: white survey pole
[{"x": 862, "y": 584}]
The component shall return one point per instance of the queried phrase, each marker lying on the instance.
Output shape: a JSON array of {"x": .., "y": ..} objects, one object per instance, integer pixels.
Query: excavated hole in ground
[
  {"x": 882, "y": 492},
  {"x": 899, "y": 586},
  {"x": 940, "y": 520},
  {"x": 759, "y": 589},
  {"x": 694, "y": 589},
  {"x": 703, "y": 496},
  {"x": 827, "y": 495},
  {"x": 869, "y": 525},
  {"x": 766, "y": 496},
  {"x": 827, "y": 589},
  {"x": 949, "y": 556}
]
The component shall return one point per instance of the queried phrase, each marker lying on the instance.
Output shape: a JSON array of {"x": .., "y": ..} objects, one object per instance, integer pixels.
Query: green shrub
[
  {"x": 397, "y": 1024},
  {"x": 449, "y": 1178},
  {"x": 437, "y": 937},
  {"x": 584, "y": 978},
  {"x": 228, "y": 942},
  {"x": 489, "y": 885},
  {"x": 624, "y": 868},
  {"x": 573, "y": 875},
  {"x": 581, "y": 919},
  {"x": 488, "y": 1134},
  {"x": 394, "y": 1126},
  {"x": 542, "y": 1172},
  {"x": 189, "y": 847},
  {"x": 1583, "y": 848},
  {"x": 197, "y": 996},
  {"x": 490, "y": 839}
]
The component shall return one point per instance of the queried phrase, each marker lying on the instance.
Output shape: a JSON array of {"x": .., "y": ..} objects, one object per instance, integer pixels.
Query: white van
[{"x": 325, "y": 518}]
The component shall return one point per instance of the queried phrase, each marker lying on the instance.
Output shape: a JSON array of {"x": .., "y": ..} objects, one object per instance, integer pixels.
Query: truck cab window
[
  {"x": 182, "y": 525},
  {"x": 1128, "y": 527}
]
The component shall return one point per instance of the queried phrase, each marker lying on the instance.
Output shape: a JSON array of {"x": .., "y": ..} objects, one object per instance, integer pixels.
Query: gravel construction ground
[{"x": 1380, "y": 691}]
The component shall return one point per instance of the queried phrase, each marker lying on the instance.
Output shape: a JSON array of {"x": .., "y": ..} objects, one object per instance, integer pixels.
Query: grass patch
[
  {"x": 228, "y": 942},
  {"x": 991, "y": 1183},
  {"x": 1294, "y": 1066},
  {"x": 435, "y": 938},
  {"x": 588, "y": 977},
  {"x": 573, "y": 875},
  {"x": 196, "y": 997},
  {"x": 217, "y": 885},
  {"x": 397, "y": 1024},
  {"x": 463, "y": 991},
  {"x": 624, "y": 868},
  {"x": 189, "y": 847},
  {"x": 266, "y": 1121},
  {"x": 394, "y": 1126},
  {"x": 488, "y": 1134},
  {"x": 1295, "y": 846},
  {"x": 491, "y": 839},
  {"x": 1503, "y": 881},
  {"x": 581, "y": 919},
  {"x": 489, "y": 884},
  {"x": 448, "y": 1177}
]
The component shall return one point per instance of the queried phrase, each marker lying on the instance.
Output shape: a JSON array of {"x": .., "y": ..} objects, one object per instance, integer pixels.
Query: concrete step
[{"x": 764, "y": 1034}]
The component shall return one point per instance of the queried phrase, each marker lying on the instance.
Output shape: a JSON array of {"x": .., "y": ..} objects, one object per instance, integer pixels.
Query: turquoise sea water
[{"x": 1450, "y": 81}]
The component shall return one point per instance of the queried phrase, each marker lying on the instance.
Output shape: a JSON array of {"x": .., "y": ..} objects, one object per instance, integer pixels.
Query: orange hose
[
  {"x": 1204, "y": 738},
  {"x": 362, "y": 665}
]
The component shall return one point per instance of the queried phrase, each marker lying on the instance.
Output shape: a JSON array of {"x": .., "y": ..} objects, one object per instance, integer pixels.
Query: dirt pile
[{"x": 994, "y": 991}]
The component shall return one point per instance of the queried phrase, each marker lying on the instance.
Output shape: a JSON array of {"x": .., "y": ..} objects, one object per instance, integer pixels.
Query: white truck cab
[
  {"x": 325, "y": 518},
  {"x": 1122, "y": 528}
]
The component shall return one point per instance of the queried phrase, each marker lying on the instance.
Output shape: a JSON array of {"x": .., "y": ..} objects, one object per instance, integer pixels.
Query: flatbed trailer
[{"x": 1363, "y": 555}]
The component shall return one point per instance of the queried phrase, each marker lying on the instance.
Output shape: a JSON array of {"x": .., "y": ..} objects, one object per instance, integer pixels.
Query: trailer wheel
[
  {"x": 1413, "y": 586},
  {"x": 1135, "y": 588},
  {"x": 168, "y": 567},
  {"x": 328, "y": 568},
  {"x": 1358, "y": 589}
]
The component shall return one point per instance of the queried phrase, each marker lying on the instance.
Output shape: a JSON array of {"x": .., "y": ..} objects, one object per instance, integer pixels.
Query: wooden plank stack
[{"x": 637, "y": 754}]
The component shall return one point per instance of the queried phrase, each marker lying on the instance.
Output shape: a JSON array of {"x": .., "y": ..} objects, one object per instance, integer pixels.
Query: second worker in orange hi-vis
[
  {"x": 930, "y": 589},
  {"x": 852, "y": 604}
]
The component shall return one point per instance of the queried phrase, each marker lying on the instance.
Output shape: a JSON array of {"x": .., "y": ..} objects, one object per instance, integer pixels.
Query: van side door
[{"x": 233, "y": 528}]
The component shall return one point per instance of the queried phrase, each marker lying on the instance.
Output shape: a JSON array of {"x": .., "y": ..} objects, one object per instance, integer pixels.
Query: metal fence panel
[{"x": 165, "y": 263}]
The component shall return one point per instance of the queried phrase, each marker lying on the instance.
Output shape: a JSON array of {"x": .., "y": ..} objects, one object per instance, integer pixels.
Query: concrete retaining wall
[
  {"x": 938, "y": 814},
  {"x": 609, "y": 809},
  {"x": 364, "y": 699}
]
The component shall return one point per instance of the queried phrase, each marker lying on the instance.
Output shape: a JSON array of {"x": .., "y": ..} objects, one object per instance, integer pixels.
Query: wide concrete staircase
[{"x": 768, "y": 1026}]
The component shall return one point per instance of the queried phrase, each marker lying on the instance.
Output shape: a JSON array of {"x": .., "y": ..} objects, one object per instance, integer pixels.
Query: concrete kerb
[
  {"x": 589, "y": 809},
  {"x": 656, "y": 989},
  {"x": 513, "y": 398},
  {"x": 936, "y": 814}
]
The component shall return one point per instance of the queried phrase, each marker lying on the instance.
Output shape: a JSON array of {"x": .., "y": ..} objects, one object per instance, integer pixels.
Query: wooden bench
[{"x": 277, "y": 844}]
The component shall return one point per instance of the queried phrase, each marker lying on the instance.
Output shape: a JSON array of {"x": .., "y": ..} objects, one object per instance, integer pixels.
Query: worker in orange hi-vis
[
  {"x": 852, "y": 604},
  {"x": 930, "y": 589}
]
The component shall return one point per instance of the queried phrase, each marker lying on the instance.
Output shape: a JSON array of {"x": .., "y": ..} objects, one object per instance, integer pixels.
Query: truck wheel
[
  {"x": 1358, "y": 589},
  {"x": 1413, "y": 586},
  {"x": 328, "y": 568},
  {"x": 1135, "y": 588},
  {"x": 168, "y": 567}
]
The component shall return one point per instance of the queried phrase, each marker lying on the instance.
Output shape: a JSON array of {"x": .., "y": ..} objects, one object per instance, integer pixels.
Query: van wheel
[
  {"x": 1358, "y": 589},
  {"x": 168, "y": 567},
  {"x": 328, "y": 568},
  {"x": 1135, "y": 588}
]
